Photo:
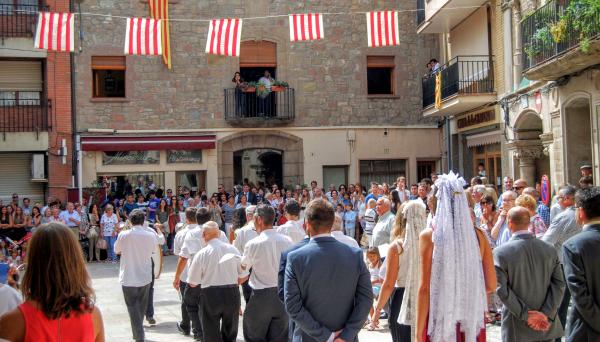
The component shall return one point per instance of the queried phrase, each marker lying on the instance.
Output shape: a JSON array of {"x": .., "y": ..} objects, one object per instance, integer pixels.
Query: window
[
  {"x": 184, "y": 156},
  {"x": 21, "y": 98},
  {"x": 130, "y": 157},
  {"x": 109, "y": 76},
  {"x": 380, "y": 75},
  {"x": 381, "y": 171},
  {"x": 336, "y": 175},
  {"x": 425, "y": 168}
]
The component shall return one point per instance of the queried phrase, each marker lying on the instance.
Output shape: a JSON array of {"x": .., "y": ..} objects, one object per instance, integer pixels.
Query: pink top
[
  {"x": 537, "y": 227},
  {"x": 77, "y": 328}
]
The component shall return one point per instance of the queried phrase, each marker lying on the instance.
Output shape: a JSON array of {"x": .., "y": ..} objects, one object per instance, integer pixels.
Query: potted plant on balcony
[
  {"x": 261, "y": 89},
  {"x": 279, "y": 86},
  {"x": 250, "y": 87}
]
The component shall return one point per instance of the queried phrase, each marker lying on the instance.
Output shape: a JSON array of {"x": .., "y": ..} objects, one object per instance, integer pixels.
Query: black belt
[{"x": 231, "y": 286}]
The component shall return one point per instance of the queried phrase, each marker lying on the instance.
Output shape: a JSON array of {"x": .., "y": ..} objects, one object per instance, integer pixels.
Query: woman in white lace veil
[
  {"x": 416, "y": 220},
  {"x": 451, "y": 302}
]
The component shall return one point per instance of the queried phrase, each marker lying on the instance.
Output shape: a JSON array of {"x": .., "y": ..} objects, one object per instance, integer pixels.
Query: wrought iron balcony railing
[
  {"x": 241, "y": 105},
  {"x": 18, "y": 20},
  {"x": 461, "y": 75},
  {"x": 25, "y": 114}
]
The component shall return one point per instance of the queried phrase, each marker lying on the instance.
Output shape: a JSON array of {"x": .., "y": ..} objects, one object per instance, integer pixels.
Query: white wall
[{"x": 470, "y": 37}]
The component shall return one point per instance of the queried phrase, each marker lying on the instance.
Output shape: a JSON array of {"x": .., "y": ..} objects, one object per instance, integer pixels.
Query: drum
[{"x": 157, "y": 258}]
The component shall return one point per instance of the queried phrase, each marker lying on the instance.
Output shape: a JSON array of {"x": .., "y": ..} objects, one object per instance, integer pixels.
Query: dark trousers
[
  {"x": 193, "y": 302},
  {"x": 185, "y": 318},
  {"x": 220, "y": 313},
  {"x": 265, "y": 318},
  {"x": 136, "y": 299},
  {"x": 150, "y": 306},
  {"x": 246, "y": 291},
  {"x": 400, "y": 332},
  {"x": 563, "y": 309}
]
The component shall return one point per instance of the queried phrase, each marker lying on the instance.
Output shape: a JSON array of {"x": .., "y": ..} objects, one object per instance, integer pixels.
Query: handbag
[
  {"x": 92, "y": 232},
  {"x": 101, "y": 244}
]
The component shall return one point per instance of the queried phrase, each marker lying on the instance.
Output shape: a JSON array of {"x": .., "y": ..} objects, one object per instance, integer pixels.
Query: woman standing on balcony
[{"x": 240, "y": 86}]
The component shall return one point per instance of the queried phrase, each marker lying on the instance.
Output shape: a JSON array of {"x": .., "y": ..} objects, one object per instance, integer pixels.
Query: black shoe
[
  {"x": 197, "y": 338},
  {"x": 182, "y": 330},
  {"x": 151, "y": 320},
  {"x": 383, "y": 315}
]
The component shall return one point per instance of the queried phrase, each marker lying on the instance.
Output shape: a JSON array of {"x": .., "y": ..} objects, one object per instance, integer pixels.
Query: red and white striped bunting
[
  {"x": 143, "y": 37},
  {"x": 306, "y": 26},
  {"x": 55, "y": 31},
  {"x": 382, "y": 28},
  {"x": 224, "y": 37}
]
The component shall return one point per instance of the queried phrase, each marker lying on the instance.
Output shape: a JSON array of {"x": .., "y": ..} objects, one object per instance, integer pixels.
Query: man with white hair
[
  {"x": 338, "y": 234},
  {"x": 292, "y": 228},
  {"x": 217, "y": 270},
  {"x": 500, "y": 232},
  {"x": 383, "y": 228},
  {"x": 242, "y": 236}
]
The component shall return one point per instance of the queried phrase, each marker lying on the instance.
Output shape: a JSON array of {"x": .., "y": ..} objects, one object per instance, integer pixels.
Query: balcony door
[{"x": 256, "y": 57}]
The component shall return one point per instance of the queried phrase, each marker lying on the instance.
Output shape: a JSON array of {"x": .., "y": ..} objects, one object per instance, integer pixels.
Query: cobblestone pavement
[{"x": 105, "y": 279}]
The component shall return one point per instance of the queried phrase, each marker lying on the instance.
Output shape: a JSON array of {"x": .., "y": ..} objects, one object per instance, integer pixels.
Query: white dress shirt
[
  {"x": 346, "y": 240},
  {"x": 243, "y": 235},
  {"x": 136, "y": 246},
  {"x": 217, "y": 264},
  {"x": 192, "y": 244},
  {"x": 293, "y": 230},
  {"x": 383, "y": 229},
  {"x": 263, "y": 255},
  {"x": 178, "y": 243}
]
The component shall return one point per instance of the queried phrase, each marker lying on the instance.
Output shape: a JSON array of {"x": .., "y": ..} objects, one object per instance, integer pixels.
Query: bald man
[
  {"x": 530, "y": 284},
  {"x": 520, "y": 185},
  {"x": 383, "y": 228}
]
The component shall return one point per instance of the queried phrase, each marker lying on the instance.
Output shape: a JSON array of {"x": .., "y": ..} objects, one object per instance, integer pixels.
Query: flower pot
[
  {"x": 277, "y": 88},
  {"x": 250, "y": 90}
]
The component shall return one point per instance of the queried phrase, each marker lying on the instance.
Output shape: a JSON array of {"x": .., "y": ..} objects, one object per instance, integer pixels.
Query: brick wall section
[
  {"x": 58, "y": 81},
  {"x": 498, "y": 45},
  {"x": 329, "y": 76}
]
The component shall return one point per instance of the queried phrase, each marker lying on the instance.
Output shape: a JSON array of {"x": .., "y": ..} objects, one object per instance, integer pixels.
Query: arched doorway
[
  {"x": 527, "y": 145},
  {"x": 258, "y": 166},
  {"x": 578, "y": 137},
  {"x": 274, "y": 154}
]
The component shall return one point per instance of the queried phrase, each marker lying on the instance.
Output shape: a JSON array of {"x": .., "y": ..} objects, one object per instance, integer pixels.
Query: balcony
[
  {"x": 246, "y": 108},
  {"x": 24, "y": 114},
  {"x": 437, "y": 19},
  {"x": 18, "y": 21},
  {"x": 467, "y": 83},
  {"x": 560, "y": 38}
]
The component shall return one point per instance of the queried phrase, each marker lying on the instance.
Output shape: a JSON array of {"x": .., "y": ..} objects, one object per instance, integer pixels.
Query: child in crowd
[
  {"x": 370, "y": 215},
  {"x": 374, "y": 264},
  {"x": 3, "y": 249},
  {"x": 349, "y": 219},
  {"x": 14, "y": 259},
  {"x": 339, "y": 210}
]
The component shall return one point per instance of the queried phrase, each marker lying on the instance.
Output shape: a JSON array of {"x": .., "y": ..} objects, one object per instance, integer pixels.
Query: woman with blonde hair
[
  {"x": 537, "y": 227},
  {"x": 59, "y": 299}
]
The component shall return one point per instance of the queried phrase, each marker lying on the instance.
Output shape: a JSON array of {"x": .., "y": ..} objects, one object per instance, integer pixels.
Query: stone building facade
[{"x": 338, "y": 128}]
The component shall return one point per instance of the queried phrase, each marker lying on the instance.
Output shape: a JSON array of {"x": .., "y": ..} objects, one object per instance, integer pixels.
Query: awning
[
  {"x": 145, "y": 143},
  {"x": 487, "y": 138}
]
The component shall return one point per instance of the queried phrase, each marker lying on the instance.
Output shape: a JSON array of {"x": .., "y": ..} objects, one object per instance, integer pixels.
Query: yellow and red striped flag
[{"x": 159, "y": 9}]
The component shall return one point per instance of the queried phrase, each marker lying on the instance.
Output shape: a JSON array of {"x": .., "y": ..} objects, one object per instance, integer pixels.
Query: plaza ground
[{"x": 105, "y": 278}]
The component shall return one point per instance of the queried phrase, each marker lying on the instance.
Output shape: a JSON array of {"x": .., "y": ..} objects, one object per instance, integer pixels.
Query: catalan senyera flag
[
  {"x": 382, "y": 28},
  {"x": 224, "y": 37},
  {"x": 55, "y": 31},
  {"x": 143, "y": 37},
  {"x": 438, "y": 90},
  {"x": 159, "y": 9},
  {"x": 306, "y": 26}
]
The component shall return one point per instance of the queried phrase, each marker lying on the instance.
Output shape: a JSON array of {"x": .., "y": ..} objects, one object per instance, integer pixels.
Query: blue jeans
[
  {"x": 350, "y": 231},
  {"x": 110, "y": 249}
]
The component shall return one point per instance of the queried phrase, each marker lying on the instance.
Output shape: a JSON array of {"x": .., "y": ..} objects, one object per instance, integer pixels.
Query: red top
[{"x": 78, "y": 327}]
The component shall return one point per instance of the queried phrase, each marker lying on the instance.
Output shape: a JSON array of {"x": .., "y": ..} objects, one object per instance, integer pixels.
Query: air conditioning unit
[{"x": 38, "y": 168}]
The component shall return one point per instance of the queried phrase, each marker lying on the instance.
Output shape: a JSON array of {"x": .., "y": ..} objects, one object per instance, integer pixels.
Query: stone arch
[
  {"x": 291, "y": 145},
  {"x": 528, "y": 148}
]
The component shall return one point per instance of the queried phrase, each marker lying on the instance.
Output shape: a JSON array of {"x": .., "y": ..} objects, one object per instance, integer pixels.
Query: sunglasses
[{"x": 519, "y": 187}]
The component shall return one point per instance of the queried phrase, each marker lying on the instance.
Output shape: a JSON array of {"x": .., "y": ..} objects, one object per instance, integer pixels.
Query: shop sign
[
  {"x": 130, "y": 157},
  {"x": 184, "y": 156},
  {"x": 469, "y": 121}
]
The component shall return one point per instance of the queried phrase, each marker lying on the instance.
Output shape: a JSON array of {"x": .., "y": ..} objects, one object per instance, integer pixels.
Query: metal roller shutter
[
  {"x": 21, "y": 75},
  {"x": 15, "y": 177}
]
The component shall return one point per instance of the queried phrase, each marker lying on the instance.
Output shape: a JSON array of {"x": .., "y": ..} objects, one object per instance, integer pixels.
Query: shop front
[{"x": 124, "y": 164}]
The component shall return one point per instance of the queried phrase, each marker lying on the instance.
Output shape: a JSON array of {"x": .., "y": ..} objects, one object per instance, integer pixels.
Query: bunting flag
[
  {"x": 159, "y": 9},
  {"x": 224, "y": 37},
  {"x": 55, "y": 31},
  {"x": 438, "y": 90},
  {"x": 143, "y": 37},
  {"x": 382, "y": 28},
  {"x": 306, "y": 26}
]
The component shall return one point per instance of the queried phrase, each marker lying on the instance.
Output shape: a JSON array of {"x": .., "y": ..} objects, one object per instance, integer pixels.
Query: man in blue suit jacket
[{"x": 327, "y": 287}]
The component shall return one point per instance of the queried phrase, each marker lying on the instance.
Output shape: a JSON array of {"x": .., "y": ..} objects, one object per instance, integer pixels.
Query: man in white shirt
[
  {"x": 383, "y": 228},
  {"x": 242, "y": 236},
  {"x": 192, "y": 244},
  {"x": 71, "y": 218},
  {"x": 184, "y": 326},
  {"x": 136, "y": 246},
  {"x": 370, "y": 215},
  {"x": 292, "y": 228},
  {"x": 9, "y": 299},
  {"x": 218, "y": 269},
  {"x": 265, "y": 318},
  {"x": 338, "y": 234}
]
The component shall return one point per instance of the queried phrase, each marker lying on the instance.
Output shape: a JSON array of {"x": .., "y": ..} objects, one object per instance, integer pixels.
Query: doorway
[
  {"x": 258, "y": 166},
  {"x": 491, "y": 158},
  {"x": 578, "y": 138},
  {"x": 194, "y": 181}
]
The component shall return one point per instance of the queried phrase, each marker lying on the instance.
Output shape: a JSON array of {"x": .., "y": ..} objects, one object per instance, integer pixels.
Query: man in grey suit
[
  {"x": 327, "y": 287},
  {"x": 530, "y": 284},
  {"x": 582, "y": 269}
]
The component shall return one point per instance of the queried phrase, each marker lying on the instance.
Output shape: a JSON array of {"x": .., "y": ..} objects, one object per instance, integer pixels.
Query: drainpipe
[
  {"x": 448, "y": 142},
  {"x": 518, "y": 47}
]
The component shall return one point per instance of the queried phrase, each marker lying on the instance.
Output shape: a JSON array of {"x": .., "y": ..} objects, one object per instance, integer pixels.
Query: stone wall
[{"x": 329, "y": 75}]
